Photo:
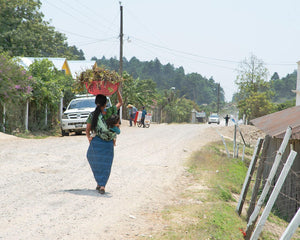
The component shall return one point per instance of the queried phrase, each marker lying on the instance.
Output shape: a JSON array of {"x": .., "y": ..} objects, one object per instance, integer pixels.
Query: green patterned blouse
[{"x": 102, "y": 130}]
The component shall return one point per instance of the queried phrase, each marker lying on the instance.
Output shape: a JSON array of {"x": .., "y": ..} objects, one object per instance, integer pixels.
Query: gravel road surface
[{"x": 47, "y": 190}]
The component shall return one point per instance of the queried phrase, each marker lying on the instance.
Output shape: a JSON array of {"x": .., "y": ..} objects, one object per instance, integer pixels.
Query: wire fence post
[
  {"x": 249, "y": 176},
  {"x": 274, "y": 195},
  {"x": 243, "y": 156},
  {"x": 292, "y": 227},
  {"x": 4, "y": 115},
  {"x": 259, "y": 175},
  {"x": 61, "y": 106},
  {"x": 26, "y": 115},
  {"x": 254, "y": 215},
  {"x": 234, "y": 140},
  {"x": 228, "y": 155}
]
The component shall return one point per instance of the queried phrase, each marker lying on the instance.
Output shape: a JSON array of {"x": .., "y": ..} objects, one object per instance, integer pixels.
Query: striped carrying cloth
[{"x": 100, "y": 156}]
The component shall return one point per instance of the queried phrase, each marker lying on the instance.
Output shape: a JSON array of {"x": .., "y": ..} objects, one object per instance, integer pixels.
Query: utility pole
[
  {"x": 121, "y": 53},
  {"x": 218, "y": 103},
  {"x": 121, "y": 40}
]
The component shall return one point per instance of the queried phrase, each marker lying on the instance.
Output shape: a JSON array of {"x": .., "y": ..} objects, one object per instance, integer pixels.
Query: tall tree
[
  {"x": 23, "y": 32},
  {"x": 254, "y": 90},
  {"x": 275, "y": 76},
  {"x": 283, "y": 87}
]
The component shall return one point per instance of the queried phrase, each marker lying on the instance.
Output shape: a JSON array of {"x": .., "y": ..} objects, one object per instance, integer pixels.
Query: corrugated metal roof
[
  {"x": 275, "y": 124},
  {"x": 77, "y": 66},
  {"x": 27, "y": 61}
]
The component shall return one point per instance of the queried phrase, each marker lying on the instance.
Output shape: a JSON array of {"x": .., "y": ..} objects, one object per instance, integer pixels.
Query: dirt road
[{"x": 47, "y": 190}]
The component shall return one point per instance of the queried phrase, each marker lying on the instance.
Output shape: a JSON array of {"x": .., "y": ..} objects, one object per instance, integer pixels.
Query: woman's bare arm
[
  {"x": 88, "y": 131},
  {"x": 120, "y": 100}
]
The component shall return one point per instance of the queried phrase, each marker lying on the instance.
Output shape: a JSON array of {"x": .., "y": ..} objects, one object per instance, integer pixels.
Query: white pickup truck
[{"x": 75, "y": 115}]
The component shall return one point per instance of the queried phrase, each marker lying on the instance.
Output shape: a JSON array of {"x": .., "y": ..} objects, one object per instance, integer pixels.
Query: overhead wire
[
  {"x": 186, "y": 53},
  {"x": 229, "y": 61},
  {"x": 143, "y": 25},
  {"x": 96, "y": 14},
  {"x": 66, "y": 12},
  {"x": 155, "y": 55},
  {"x": 80, "y": 12},
  {"x": 84, "y": 36},
  {"x": 196, "y": 60}
]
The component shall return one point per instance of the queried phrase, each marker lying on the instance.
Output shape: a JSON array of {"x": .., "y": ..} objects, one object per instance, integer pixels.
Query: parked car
[
  {"x": 214, "y": 118},
  {"x": 75, "y": 115}
]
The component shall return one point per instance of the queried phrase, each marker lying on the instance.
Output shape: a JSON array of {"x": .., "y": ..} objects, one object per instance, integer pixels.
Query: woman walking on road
[{"x": 100, "y": 153}]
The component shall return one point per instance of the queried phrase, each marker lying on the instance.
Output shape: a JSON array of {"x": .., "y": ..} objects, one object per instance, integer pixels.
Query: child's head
[{"x": 112, "y": 121}]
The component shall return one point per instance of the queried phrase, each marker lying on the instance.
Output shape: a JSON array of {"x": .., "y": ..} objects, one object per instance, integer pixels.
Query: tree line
[{"x": 192, "y": 86}]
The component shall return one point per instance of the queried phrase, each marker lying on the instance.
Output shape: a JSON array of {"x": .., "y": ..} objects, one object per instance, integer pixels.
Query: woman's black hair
[
  {"x": 114, "y": 119},
  {"x": 100, "y": 101}
]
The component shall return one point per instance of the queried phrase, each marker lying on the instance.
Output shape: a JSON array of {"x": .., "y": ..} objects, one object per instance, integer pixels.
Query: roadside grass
[
  {"x": 206, "y": 207},
  {"x": 39, "y": 134}
]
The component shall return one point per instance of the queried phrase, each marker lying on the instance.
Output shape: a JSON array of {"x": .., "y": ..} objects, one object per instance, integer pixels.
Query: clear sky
[{"x": 209, "y": 37}]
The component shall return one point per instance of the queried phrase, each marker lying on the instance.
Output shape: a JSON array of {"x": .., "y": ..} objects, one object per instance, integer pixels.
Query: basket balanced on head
[{"x": 99, "y": 81}]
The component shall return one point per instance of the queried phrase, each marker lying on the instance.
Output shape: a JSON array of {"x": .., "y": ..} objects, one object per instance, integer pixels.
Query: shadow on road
[{"x": 87, "y": 192}]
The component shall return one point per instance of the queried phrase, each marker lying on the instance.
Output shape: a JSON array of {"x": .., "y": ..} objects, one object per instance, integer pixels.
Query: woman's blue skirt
[{"x": 100, "y": 156}]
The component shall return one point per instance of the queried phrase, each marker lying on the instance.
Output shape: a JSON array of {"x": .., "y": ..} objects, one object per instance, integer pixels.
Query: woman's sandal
[{"x": 102, "y": 190}]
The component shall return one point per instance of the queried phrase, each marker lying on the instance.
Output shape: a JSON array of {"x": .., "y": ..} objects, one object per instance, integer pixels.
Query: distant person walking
[
  {"x": 226, "y": 120},
  {"x": 132, "y": 112},
  {"x": 100, "y": 153},
  {"x": 144, "y": 113}
]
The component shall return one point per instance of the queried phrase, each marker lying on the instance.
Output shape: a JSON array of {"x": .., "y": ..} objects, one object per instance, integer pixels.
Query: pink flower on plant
[
  {"x": 29, "y": 89},
  {"x": 18, "y": 87}
]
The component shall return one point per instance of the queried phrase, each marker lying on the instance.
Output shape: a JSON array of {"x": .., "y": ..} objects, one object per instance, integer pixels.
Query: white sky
[{"x": 227, "y": 30}]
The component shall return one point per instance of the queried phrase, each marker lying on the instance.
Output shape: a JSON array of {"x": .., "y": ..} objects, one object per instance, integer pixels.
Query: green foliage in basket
[{"x": 97, "y": 74}]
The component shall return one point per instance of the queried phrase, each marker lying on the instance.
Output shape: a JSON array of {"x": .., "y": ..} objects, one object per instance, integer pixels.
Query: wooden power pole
[
  {"x": 218, "y": 103},
  {"x": 121, "y": 40},
  {"x": 121, "y": 52}
]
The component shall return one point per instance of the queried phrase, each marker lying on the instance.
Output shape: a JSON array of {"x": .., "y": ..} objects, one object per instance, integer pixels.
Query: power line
[
  {"x": 83, "y": 36},
  {"x": 205, "y": 57},
  {"x": 186, "y": 53},
  {"x": 66, "y": 12},
  {"x": 89, "y": 43},
  {"x": 97, "y": 14},
  {"x": 143, "y": 26},
  {"x": 195, "y": 60}
]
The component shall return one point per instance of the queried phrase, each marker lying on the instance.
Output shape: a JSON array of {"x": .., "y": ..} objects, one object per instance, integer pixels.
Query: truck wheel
[{"x": 64, "y": 133}]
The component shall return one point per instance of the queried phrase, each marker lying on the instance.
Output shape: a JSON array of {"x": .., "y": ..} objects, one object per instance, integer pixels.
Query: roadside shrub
[{"x": 15, "y": 88}]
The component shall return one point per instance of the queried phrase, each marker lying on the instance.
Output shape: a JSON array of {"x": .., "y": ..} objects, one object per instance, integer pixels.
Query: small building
[
  {"x": 59, "y": 63},
  {"x": 275, "y": 125},
  {"x": 77, "y": 66}
]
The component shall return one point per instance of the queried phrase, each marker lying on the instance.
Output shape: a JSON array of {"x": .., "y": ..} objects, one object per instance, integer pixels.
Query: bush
[{"x": 15, "y": 88}]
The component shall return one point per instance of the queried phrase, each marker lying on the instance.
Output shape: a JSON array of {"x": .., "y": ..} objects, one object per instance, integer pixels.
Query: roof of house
[
  {"x": 77, "y": 66},
  {"x": 27, "y": 61},
  {"x": 275, "y": 124}
]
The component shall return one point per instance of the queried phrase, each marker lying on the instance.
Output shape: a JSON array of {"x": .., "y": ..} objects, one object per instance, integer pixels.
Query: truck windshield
[{"x": 82, "y": 103}]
